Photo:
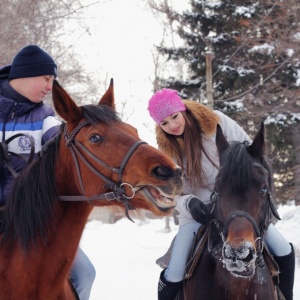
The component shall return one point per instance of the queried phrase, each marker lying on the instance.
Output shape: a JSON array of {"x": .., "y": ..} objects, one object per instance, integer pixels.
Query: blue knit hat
[{"x": 32, "y": 61}]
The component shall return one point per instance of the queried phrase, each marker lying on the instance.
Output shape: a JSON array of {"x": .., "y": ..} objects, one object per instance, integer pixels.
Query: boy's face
[{"x": 34, "y": 88}]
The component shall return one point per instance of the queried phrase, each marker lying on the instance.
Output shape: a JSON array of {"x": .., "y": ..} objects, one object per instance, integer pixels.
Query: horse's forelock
[
  {"x": 235, "y": 167},
  {"x": 99, "y": 113}
]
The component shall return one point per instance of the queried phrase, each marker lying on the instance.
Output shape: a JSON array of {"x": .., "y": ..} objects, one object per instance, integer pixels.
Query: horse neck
[
  {"x": 70, "y": 219},
  {"x": 65, "y": 234},
  {"x": 46, "y": 263}
]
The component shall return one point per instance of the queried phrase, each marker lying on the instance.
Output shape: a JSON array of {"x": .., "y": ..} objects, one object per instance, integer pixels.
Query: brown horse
[
  {"x": 96, "y": 159},
  {"x": 233, "y": 264}
]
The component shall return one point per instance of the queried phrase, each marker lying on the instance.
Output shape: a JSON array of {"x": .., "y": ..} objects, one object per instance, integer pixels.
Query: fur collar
[{"x": 207, "y": 118}]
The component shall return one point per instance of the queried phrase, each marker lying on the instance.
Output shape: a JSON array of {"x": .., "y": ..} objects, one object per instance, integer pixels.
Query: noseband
[{"x": 118, "y": 188}]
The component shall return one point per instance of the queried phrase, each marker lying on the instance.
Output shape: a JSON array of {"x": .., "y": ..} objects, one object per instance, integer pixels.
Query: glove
[{"x": 199, "y": 211}]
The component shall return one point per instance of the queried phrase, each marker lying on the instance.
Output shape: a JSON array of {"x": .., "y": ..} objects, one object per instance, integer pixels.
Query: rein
[
  {"x": 118, "y": 188},
  {"x": 4, "y": 153}
]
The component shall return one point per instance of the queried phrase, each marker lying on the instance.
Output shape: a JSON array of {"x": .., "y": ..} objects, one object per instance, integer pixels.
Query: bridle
[
  {"x": 260, "y": 229},
  {"x": 118, "y": 188}
]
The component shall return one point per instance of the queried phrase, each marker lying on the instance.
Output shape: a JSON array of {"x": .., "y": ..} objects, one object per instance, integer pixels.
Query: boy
[{"x": 23, "y": 86}]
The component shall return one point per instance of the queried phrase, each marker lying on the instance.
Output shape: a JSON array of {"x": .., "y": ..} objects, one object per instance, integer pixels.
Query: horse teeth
[{"x": 167, "y": 200}]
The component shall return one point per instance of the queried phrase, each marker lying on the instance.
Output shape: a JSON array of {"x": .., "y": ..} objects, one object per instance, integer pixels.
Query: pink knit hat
[{"x": 163, "y": 104}]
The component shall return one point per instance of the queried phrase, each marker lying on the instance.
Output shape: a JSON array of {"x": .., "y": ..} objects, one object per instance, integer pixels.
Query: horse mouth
[
  {"x": 240, "y": 262},
  {"x": 163, "y": 202},
  {"x": 239, "y": 268}
]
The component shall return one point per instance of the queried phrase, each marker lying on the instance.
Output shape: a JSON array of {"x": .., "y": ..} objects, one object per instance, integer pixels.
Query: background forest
[
  {"x": 255, "y": 56},
  {"x": 255, "y": 64}
]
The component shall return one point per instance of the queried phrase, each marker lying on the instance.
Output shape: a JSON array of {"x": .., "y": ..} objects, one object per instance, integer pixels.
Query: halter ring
[{"x": 132, "y": 189}]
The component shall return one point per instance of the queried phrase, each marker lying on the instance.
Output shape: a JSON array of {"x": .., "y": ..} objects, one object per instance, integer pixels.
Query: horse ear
[
  {"x": 257, "y": 147},
  {"x": 64, "y": 105},
  {"x": 109, "y": 97},
  {"x": 221, "y": 141}
]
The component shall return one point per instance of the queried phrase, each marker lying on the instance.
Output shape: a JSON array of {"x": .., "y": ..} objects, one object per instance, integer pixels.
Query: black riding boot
[
  {"x": 286, "y": 266},
  {"x": 167, "y": 290}
]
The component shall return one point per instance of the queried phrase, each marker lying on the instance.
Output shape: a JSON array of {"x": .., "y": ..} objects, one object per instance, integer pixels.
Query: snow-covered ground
[{"x": 124, "y": 254}]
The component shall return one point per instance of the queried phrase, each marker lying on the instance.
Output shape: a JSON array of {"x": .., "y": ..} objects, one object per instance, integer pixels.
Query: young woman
[
  {"x": 185, "y": 131},
  {"x": 23, "y": 86}
]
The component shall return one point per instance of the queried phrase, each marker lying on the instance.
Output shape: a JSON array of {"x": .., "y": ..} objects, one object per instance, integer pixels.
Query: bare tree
[{"x": 44, "y": 23}]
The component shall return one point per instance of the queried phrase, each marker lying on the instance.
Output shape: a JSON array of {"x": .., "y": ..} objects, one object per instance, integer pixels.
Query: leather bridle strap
[
  {"x": 118, "y": 192},
  {"x": 243, "y": 214},
  {"x": 118, "y": 189}
]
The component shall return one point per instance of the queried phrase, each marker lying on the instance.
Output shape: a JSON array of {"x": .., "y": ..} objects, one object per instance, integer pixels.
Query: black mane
[
  {"x": 30, "y": 205},
  {"x": 29, "y": 210},
  {"x": 99, "y": 113}
]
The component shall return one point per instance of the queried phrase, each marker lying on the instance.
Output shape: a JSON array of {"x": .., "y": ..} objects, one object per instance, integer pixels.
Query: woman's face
[{"x": 173, "y": 124}]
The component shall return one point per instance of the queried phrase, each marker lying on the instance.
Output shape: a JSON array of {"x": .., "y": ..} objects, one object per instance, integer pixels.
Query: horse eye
[
  {"x": 96, "y": 138},
  {"x": 263, "y": 191}
]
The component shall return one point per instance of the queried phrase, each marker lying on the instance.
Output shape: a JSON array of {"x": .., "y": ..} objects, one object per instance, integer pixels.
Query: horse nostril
[
  {"x": 249, "y": 257},
  {"x": 178, "y": 172},
  {"x": 166, "y": 172}
]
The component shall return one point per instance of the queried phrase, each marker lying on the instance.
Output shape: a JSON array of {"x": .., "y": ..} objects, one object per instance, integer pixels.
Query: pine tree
[{"x": 256, "y": 68}]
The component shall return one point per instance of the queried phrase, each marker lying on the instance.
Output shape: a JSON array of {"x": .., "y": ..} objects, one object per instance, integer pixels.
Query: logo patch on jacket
[{"x": 25, "y": 143}]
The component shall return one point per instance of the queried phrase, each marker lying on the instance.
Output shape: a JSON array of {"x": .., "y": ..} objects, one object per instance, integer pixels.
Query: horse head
[
  {"x": 108, "y": 163},
  {"x": 95, "y": 159},
  {"x": 243, "y": 205}
]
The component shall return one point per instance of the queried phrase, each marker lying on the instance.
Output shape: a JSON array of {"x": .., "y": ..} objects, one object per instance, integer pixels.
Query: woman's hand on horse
[{"x": 199, "y": 211}]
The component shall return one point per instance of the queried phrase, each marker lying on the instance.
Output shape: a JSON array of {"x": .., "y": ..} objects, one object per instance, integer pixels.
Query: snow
[
  {"x": 298, "y": 78},
  {"x": 243, "y": 72},
  {"x": 124, "y": 254},
  {"x": 282, "y": 119},
  {"x": 264, "y": 49},
  {"x": 244, "y": 11},
  {"x": 236, "y": 262},
  {"x": 297, "y": 36}
]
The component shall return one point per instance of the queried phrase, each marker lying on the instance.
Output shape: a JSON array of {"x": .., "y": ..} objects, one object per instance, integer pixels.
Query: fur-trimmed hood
[{"x": 207, "y": 118}]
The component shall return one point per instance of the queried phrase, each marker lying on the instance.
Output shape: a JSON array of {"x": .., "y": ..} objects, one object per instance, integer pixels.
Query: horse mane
[
  {"x": 29, "y": 207},
  {"x": 235, "y": 167},
  {"x": 29, "y": 211}
]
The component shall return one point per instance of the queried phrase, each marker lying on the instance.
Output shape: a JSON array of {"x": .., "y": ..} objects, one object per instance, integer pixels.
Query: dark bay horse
[
  {"x": 233, "y": 263},
  {"x": 96, "y": 160}
]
